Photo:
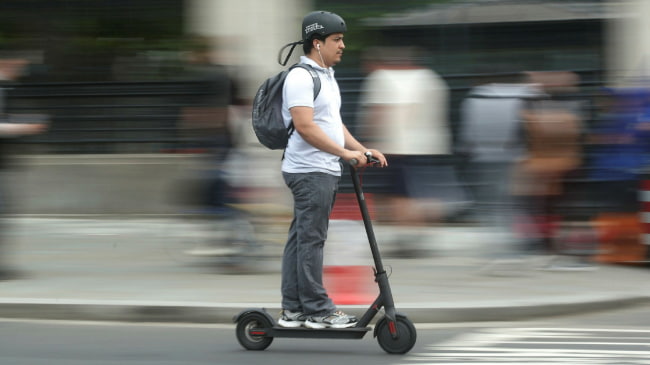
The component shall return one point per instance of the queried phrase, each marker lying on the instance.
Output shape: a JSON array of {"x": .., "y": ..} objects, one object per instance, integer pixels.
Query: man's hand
[
  {"x": 379, "y": 156},
  {"x": 349, "y": 155}
]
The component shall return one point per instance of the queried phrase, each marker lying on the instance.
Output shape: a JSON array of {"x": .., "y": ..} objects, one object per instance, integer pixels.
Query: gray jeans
[{"x": 302, "y": 263}]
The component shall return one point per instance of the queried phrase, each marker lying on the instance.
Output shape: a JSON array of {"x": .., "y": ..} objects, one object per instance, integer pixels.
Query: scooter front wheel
[
  {"x": 251, "y": 330},
  {"x": 406, "y": 335}
]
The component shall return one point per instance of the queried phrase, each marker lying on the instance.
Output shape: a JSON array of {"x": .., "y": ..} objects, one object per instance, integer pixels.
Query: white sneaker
[
  {"x": 291, "y": 319},
  {"x": 337, "y": 319}
]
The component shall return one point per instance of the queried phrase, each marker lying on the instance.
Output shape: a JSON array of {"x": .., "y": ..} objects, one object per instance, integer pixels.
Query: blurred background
[{"x": 538, "y": 116}]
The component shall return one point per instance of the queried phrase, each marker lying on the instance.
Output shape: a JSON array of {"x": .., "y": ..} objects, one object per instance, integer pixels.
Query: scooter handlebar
[{"x": 371, "y": 160}]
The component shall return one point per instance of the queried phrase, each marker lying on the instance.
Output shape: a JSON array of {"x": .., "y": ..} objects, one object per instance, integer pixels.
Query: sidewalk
[{"x": 128, "y": 270}]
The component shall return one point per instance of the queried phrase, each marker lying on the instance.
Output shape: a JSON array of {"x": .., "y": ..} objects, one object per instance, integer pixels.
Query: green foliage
[
  {"x": 369, "y": 8},
  {"x": 354, "y": 11}
]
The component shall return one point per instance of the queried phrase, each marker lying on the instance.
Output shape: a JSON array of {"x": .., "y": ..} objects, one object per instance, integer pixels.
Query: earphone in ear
[{"x": 318, "y": 46}]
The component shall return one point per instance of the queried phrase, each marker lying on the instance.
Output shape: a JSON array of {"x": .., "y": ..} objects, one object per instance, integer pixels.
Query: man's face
[{"x": 332, "y": 49}]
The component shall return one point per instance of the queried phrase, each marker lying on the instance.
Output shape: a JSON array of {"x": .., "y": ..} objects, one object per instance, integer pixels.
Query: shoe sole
[
  {"x": 315, "y": 325},
  {"x": 318, "y": 326},
  {"x": 345, "y": 325},
  {"x": 290, "y": 324}
]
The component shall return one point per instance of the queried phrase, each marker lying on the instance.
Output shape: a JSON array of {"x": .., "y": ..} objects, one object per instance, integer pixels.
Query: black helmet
[
  {"x": 322, "y": 23},
  {"x": 317, "y": 22}
]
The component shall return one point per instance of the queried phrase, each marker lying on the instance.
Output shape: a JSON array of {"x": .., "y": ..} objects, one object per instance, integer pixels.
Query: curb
[
  {"x": 519, "y": 312},
  {"x": 210, "y": 313}
]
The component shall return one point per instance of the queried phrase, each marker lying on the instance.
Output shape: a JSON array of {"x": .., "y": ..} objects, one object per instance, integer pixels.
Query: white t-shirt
[
  {"x": 298, "y": 90},
  {"x": 414, "y": 112}
]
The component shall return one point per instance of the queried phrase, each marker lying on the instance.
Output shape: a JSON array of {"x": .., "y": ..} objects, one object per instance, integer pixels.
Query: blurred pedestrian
[
  {"x": 619, "y": 146},
  {"x": 312, "y": 169},
  {"x": 619, "y": 142},
  {"x": 490, "y": 143},
  {"x": 205, "y": 121},
  {"x": 207, "y": 129},
  {"x": 11, "y": 126},
  {"x": 553, "y": 128},
  {"x": 404, "y": 114}
]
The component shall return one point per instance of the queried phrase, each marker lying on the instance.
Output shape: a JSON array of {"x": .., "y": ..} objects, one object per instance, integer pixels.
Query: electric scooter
[{"x": 395, "y": 333}]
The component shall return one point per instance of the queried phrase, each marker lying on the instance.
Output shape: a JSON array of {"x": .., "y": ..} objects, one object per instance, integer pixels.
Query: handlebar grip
[{"x": 371, "y": 158}]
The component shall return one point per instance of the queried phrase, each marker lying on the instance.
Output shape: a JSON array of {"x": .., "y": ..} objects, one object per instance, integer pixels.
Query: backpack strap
[{"x": 315, "y": 78}]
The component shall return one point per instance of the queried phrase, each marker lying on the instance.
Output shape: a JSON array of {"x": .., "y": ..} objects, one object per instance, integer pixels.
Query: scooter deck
[{"x": 342, "y": 333}]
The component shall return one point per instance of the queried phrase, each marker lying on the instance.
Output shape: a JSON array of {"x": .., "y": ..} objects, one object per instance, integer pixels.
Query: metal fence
[
  {"x": 107, "y": 117},
  {"x": 144, "y": 117}
]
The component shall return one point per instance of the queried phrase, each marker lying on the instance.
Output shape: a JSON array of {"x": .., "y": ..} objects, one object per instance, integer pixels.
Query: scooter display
[{"x": 395, "y": 333}]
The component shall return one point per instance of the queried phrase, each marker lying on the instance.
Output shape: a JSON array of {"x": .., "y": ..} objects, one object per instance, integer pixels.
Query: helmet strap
[{"x": 286, "y": 59}]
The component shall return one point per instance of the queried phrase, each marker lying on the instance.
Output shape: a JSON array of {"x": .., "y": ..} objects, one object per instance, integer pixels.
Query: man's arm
[
  {"x": 16, "y": 129},
  {"x": 303, "y": 121},
  {"x": 353, "y": 144}
]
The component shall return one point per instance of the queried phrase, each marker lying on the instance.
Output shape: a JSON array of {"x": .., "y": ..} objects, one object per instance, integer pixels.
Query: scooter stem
[{"x": 374, "y": 249}]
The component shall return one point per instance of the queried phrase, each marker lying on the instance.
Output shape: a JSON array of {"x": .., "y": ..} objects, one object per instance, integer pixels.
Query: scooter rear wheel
[
  {"x": 405, "y": 340},
  {"x": 245, "y": 335}
]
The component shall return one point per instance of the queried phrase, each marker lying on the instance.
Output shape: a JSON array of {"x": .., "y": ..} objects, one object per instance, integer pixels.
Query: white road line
[{"x": 528, "y": 346}]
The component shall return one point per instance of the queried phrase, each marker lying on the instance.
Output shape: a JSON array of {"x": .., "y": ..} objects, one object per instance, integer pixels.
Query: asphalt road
[{"x": 621, "y": 336}]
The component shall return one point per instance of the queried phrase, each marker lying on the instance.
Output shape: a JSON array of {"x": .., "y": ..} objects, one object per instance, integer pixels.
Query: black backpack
[{"x": 268, "y": 123}]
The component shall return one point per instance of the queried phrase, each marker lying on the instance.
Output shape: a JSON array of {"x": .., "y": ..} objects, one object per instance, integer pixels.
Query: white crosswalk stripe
[{"x": 532, "y": 346}]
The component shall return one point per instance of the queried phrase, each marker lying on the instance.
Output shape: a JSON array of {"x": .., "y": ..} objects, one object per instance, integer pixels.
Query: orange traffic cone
[
  {"x": 350, "y": 284},
  {"x": 345, "y": 278},
  {"x": 620, "y": 238}
]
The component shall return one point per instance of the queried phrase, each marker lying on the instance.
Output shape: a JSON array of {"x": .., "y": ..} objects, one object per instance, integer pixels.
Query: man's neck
[{"x": 314, "y": 56}]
